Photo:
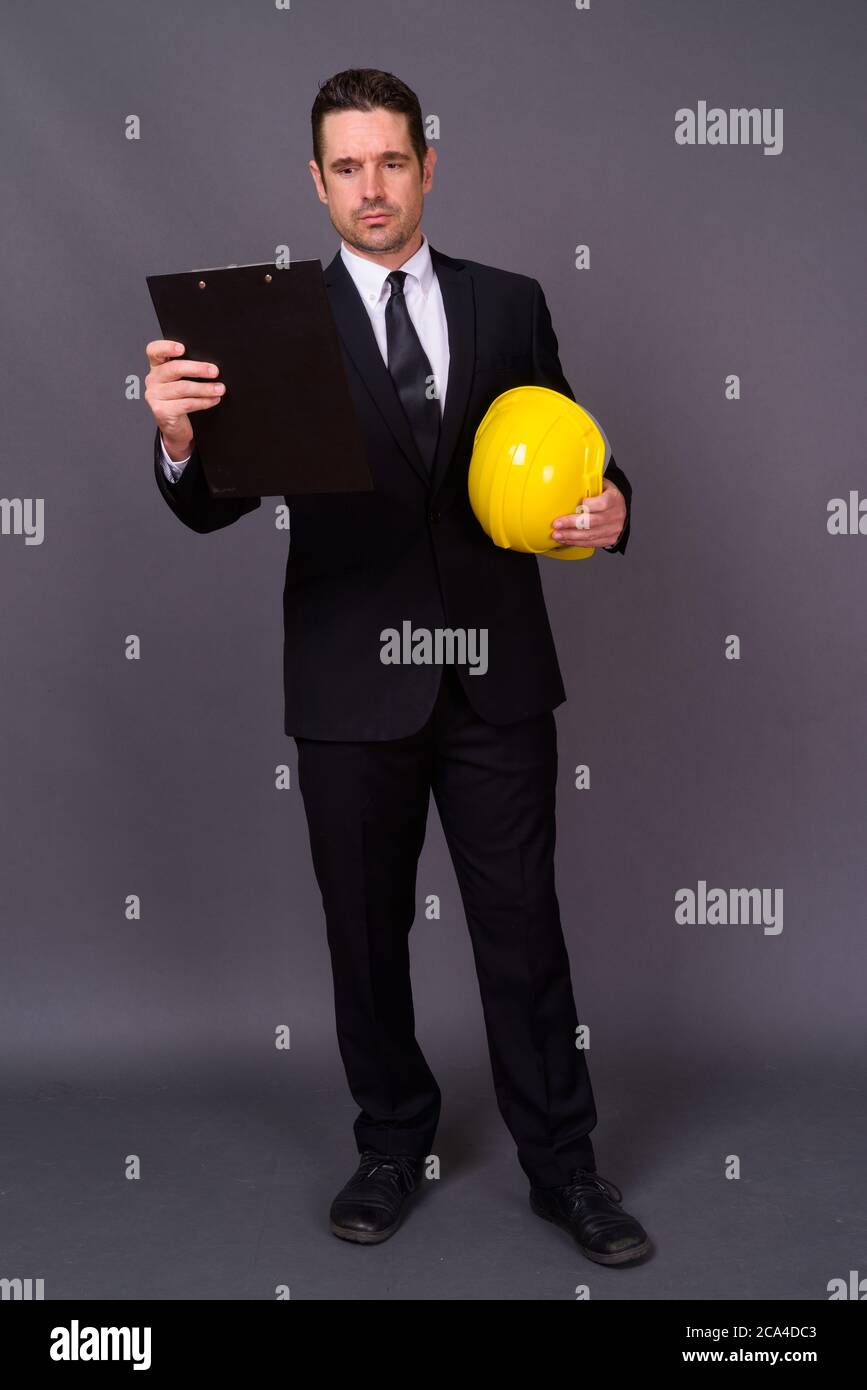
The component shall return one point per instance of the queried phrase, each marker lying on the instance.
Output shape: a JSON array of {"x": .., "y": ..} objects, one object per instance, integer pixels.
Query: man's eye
[{"x": 391, "y": 164}]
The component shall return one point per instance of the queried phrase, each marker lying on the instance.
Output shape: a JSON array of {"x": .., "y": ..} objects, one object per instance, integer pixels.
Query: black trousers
[{"x": 366, "y": 805}]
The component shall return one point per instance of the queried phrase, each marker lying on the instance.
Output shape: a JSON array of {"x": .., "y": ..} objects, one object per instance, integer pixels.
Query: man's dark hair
[{"x": 363, "y": 89}]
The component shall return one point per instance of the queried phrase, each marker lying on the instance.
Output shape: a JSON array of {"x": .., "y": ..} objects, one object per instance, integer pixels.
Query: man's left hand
[{"x": 597, "y": 521}]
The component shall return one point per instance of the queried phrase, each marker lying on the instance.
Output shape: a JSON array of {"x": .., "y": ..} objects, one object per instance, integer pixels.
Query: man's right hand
[{"x": 172, "y": 397}]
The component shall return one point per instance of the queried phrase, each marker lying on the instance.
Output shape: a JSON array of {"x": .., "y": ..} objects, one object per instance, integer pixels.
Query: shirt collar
[{"x": 370, "y": 278}]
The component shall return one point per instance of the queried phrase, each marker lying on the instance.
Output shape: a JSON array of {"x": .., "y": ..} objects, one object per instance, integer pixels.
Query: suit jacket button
[{"x": 434, "y": 516}]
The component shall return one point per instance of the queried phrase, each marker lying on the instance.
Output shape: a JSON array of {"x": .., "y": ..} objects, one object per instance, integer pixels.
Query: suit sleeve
[
  {"x": 190, "y": 497},
  {"x": 547, "y": 371}
]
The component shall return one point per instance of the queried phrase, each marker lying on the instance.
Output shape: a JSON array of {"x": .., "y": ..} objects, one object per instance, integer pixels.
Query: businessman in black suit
[{"x": 428, "y": 341}]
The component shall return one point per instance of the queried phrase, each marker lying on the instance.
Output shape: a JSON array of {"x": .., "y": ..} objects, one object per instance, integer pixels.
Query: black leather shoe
[
  {"x": 588, "y": 1207},
  {"x": 370, "y": 1207}
]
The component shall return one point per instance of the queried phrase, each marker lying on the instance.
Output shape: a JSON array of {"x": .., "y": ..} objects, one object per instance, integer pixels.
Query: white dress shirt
[{"x": 424, "y": 304}]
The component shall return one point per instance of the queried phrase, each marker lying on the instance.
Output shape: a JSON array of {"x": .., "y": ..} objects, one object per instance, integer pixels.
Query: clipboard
[{"x": 287, "y": 423}]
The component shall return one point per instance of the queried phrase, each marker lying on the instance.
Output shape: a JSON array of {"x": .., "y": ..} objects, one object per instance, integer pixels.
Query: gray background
[{"x": 156, "y": 777}]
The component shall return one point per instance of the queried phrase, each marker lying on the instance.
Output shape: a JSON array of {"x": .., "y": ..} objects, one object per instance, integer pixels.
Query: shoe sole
[
  {"x": 620, "y": 1257},
  {"x": 363, "y": 1237}
]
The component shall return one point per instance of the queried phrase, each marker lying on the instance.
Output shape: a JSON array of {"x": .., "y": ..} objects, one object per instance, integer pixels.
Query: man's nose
[{"x": 372, "y": 190}]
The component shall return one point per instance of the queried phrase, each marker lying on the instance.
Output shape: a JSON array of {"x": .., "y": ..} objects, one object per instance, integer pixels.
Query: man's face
[{"x": 370, "y": 167}]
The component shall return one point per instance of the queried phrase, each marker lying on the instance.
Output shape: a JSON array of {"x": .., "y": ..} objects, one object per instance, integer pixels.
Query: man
[{"x": 428, "y": 342}]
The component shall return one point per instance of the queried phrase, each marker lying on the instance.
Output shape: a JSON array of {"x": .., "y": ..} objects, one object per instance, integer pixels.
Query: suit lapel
[
  {"x": 456, "y": 284},
  {"x": 359, "y": 340}
]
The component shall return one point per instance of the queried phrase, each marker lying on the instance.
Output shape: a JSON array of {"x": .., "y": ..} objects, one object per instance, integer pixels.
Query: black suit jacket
[{"x": 411, "y": 549}]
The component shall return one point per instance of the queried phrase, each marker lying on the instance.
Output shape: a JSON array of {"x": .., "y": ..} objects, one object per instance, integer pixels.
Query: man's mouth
[{"x": 375, "y": 216}]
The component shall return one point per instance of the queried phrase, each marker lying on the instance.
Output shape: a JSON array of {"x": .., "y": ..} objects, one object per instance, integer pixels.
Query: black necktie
[{"x": 411, "y": 371}]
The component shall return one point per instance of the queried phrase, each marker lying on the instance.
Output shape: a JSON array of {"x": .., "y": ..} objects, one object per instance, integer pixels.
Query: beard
[{"x": 386, "y": 238}]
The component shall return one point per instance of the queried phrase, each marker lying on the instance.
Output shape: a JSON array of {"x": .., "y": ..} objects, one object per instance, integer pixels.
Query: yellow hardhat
[{"x": 535, "y": 455}]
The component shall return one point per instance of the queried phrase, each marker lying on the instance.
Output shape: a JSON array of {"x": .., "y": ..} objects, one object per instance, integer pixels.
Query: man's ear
[
  {"x": 430, "y": 160},
  {"x": 317, "y": 180}
]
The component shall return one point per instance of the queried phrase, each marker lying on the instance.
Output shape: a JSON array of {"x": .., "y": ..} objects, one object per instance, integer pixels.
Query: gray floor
[{"x": 238, "y": 1166}]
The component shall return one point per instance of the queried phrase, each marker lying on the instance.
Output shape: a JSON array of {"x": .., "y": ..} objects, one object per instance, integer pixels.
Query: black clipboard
[{"x": 287, "y": 423}]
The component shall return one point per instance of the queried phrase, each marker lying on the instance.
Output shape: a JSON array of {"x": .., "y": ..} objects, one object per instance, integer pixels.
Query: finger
[
  {"x": 580, "y": 517},
  {"x": 161, "y": 350},
  {"x": 586, "y": 529},
  {"x": 584, "y": 544},
  {"x": 174, "y": 371},
  {"x": 600, "y": 503},
  {"x": 188, "y": 405},
  {"x": 594, "y": 538},
  {"x": 573, "y": 537},
  {"x": 173, "y": 390}
]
